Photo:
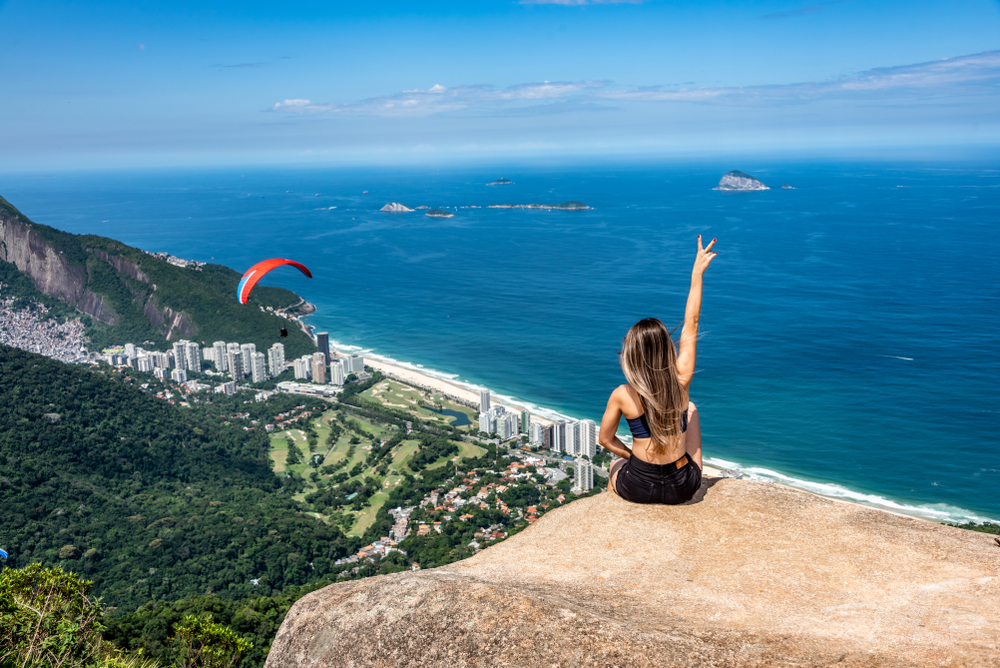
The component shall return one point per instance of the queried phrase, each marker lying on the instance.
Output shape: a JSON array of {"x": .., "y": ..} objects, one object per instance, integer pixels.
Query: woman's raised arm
[{"x": 689, "y": 334}]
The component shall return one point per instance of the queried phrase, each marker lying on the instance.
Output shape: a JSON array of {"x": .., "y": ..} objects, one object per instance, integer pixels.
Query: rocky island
[
  {"x": 501, "y": 182},
  {"x": 737, "y": 180},
  {"x": 439, "y": 213},
  {"x": 565, "y": 206},
  {"x": 395, "y": 207},
  {"x": 785, "y": 186}
]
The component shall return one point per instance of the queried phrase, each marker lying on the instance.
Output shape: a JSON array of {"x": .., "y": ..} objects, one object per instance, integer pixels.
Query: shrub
[{"x": 47, "y": 619}]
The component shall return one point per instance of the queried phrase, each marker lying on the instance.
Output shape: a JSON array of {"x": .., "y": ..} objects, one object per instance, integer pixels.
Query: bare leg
[{"x": 692, "y": 438}]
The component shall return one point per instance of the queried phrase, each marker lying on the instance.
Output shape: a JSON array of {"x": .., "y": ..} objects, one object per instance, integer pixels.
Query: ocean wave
[
  {"x": 939, "y": 512},
  {"x": 935, "y": 512}
]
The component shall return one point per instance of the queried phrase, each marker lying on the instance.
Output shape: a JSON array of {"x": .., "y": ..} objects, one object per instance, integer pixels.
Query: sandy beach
[{"x": 464, "y": 394}]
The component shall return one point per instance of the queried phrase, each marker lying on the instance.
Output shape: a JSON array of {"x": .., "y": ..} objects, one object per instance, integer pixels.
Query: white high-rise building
[
  {"x": 179, "y": 375},
  {"x": 536, "y": 433},
  {"x": 506, "y": 425},
  {"x": 193, "y": 356},
  {"x": 160, "y": 360},
  {"x": 180, "y": 354},
  {"x": 558, "y": 437},
  {"x": 258, "y": 367},
  {"x": 353, "y": 364},
  {"x": 588, "y": 438},
  {"x": 583, "y": 474},
  {"x": 247, "y": 350},
  {"x": 234, "y": 364},
  {"x": 144, "y": 363},
  {"x": 570, "y": 444},
  {"x": 485, "y": 423},
  {"x": 484, "y": 401},
  {"x": 318, "y": 368},
  {"x": 276, "y": 359},
  {"x": 130, "y": 350},
  {"x": 219, "y": 356},
  {"x": 303, "y": 367},
  {"x": 208, "y": 355},
  {"x": 337, "y": 375}
]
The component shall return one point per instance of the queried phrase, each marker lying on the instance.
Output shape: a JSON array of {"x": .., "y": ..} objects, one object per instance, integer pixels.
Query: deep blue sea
[{"x": 850, "y": 329}]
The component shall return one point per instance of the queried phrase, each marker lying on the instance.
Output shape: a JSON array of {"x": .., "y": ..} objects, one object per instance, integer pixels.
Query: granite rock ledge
[{"x": 749, "y": 574}]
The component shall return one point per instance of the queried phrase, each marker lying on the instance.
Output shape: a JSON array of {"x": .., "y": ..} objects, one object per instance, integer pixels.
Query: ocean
[{"x": 850, "y": 327}]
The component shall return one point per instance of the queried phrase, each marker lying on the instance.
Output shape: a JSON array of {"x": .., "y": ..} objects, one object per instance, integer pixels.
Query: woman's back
[{"x": 643, "y": 445}]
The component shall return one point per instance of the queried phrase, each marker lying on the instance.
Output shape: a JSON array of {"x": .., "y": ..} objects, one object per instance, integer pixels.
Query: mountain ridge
[{"x": 128, "y": 294}]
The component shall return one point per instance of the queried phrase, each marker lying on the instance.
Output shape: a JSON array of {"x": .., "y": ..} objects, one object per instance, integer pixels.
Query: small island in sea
[
  {"x": 395, "y": 207},
  {"x": 439, "y": 213},
  {"x": 422, "y": 206},
  {"x": 565, "y": 206},
  {"x": 501, "y": 182},
  {"x": 737, "y": 180},
  {"x": 785, "y": 186}
]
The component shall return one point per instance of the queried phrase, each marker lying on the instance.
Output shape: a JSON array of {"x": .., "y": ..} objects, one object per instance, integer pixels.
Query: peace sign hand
[{"x": 704, "y": 257}]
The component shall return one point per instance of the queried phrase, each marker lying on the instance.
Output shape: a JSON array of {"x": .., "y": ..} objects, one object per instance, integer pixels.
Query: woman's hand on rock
[{"x": 704, "y": 257}]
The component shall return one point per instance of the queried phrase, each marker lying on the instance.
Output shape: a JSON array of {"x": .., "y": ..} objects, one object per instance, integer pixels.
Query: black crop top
[{"x": 640, "y": 427}]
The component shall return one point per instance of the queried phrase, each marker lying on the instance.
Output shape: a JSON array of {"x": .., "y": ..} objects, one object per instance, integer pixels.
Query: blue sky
[{"x": 154, "y": 83}]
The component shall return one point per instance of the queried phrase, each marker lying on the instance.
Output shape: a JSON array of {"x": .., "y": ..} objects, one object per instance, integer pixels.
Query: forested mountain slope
[
  {"x": 132, "y": 296},
  {"x": 151, "y": 501}
]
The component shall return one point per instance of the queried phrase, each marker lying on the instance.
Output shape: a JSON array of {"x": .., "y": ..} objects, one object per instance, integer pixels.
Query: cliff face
[
  {"x": 50, "y": 271},
  {"x": 55, "y": 276},
  {"x": 749, "y": 575}
]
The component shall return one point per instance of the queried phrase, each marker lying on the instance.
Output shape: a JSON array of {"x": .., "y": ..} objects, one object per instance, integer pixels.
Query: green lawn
[
  {"x": 398, "y": 395},
  {"x": 391, "y": 392},
  {"x": 367, "y": 516}
]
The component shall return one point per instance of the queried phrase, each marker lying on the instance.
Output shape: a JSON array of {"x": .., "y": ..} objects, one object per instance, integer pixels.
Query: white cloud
[
  {"x": 977, "y": 74},
  {"x": 974, "y": 74},
  {"x": 441, "y": 99}
]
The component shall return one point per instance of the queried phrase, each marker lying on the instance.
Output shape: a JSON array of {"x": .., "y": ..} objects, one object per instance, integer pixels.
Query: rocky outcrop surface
[
  {"x": 49, "y": 270},
  {"x": 121, "y": 264},
  {"x": 395, "y": 207},
  {"x": 747, "y": 575},
  {"x": 174, "y": 324},
  {"x": 736, "y": 180}
]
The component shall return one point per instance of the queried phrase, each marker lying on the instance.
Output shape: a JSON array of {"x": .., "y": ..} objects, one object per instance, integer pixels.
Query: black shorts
[{"x": 642, "y": 482}]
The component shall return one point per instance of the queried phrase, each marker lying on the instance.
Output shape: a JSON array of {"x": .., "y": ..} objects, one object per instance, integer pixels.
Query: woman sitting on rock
[{"x": 664, "y": 464}]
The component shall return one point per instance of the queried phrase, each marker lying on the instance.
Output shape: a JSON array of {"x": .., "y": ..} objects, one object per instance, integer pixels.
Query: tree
[
  {"x": 206, "y": 644},
  {"x": 47, "y": 619}
]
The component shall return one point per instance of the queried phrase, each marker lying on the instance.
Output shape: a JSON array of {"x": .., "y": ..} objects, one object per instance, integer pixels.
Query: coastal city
[{"x": 228, "y": 367}]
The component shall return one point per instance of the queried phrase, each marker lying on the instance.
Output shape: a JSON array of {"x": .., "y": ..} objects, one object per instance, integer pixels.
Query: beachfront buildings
[
  {"x": 246, "y": 351},
  {"x": 318, "y": 367},
  {"x": 588, "y": 438},
  {"x": 583, "y": 474},
  {"x": 276, "y": 359},
  {"x": 219, "y": 356},
  {"x": 303, "y": 367},
  {"x": 484, "y": 401},
  {"x": 535, "y": 433},
  {"x": 323, "y": 343},
  {"x": 258, "y": 367},
  {"x": 337, "y": 375}
]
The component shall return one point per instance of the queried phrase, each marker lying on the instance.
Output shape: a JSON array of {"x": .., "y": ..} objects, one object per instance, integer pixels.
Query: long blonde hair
[{"x": 649, "y": 361}]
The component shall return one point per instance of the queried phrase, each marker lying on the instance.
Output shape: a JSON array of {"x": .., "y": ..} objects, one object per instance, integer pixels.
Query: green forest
[
  {"x": 206, "y": 295},
  {"x": 150, "y": 501},
  {"x": 172, "y": 511}
]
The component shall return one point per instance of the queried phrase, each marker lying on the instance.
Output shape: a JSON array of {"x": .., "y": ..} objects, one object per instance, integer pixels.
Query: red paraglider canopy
[{"x": 256, "y": 272}]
